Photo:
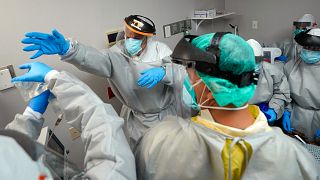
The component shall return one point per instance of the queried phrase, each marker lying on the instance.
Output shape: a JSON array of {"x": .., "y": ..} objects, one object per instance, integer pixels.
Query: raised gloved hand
[
  {"x": 282, "y": 58},
  {"x": 151, "y": 77},
  {"x": 46, "y": 43},
  {"x": 37, "y": 72},
  {"x": 39, "y": 103},
  {"x": 271, "y": 115},
  {"x": 286, "y": 123}
]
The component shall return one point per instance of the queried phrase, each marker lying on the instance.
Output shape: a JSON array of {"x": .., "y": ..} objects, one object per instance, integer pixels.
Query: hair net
[{"x": 236, "y": 56}]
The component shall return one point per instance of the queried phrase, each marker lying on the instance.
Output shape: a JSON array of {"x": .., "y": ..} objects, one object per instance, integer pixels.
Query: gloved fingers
[
  {"x": 285, "y": 126},
  {"x": 145, "y": 81},
  {"x": 24, "y": 77},
  {"x": 144, "y": 71},
  {"x": 37, "y": 54},
  {"x": 25, "y": 66},
  {"x": 57, "y": 34},
  {"x": 289, "y": 127},
  {"x": 31, "y": 41},
  {"x": 152, "y": 84},
  {"x": 143, "y": 78},
  {"x": 32, "y": 48},
  {"x": 37, "y": 35}
]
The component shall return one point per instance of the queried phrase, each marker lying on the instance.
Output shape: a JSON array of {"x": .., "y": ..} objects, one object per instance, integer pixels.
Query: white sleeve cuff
[
  {"x": 71, "y": 48},
  {"x": 31, "y": 113},
  {"x": 51, "y": 75}
]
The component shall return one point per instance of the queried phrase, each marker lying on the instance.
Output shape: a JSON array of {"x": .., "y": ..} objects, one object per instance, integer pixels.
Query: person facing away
[
  {"x": 107, "y": 153},
  {"x": 228, "y": 139},
  {"x": 134, "y": 63}
]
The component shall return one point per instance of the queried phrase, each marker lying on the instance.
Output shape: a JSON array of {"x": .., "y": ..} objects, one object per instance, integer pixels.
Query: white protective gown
[
  {"x": 142, "y": 107},
  {"x": 201, "y": 149},
  {"x": 304, "y": 81},
  {"x": 107, "y": 153}
]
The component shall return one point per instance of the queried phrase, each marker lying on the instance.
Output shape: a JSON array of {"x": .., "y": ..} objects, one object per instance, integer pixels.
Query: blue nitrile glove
[
  {"x": 37, "y": 72},
  {"x": 46, "y": 43},
  {"x": 317, "y": 137},
  {"x": 282, "y": 58},
  {"x": 39, "y": 103},
  {"x": 264, "y": 108},
  {"x": 317, "y": 133},
  {"x": 271, "y": 115},
  {"x": 286, "y": 123},
  {"x": 151, "y": 77}
]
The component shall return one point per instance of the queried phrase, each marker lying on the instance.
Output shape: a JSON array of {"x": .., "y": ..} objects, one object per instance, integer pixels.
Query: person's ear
[
  {"x": 211, "y": 100},
  {"x": 144, "y": 42}
]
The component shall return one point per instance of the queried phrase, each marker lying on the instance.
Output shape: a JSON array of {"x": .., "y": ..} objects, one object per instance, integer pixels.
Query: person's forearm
[
  {"x": 29, "y": 123},
  {"x": 107, "y": 153},
  {"x": 89, "y": 59}
]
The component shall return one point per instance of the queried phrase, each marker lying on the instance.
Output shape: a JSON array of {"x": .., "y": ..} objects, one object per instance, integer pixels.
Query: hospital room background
[{"x": 88, "y": 21}]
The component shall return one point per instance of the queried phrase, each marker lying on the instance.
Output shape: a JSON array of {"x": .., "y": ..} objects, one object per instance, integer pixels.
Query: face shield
[
  {"x": 136, "y": 35},
  {"x": 205, "y": 77},
  {"x": 306, "y": 22},
  {"x": 310, "y": 41}
]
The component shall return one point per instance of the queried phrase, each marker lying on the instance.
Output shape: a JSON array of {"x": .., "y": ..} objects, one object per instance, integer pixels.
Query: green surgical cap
[{"x": 236, "y": 56}]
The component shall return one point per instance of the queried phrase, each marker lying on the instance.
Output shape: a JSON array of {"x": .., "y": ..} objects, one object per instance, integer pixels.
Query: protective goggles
[
  {"x": 301, "y": 24},
  {"x": 208, "y": 62},
  {"x": 140, "y": 25}
]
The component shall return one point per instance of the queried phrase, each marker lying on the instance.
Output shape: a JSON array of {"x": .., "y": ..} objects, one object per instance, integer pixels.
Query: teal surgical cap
[{"x": 236, "y": 56}]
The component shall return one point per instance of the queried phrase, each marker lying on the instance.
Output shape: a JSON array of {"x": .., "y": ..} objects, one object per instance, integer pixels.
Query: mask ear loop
[
  {"x": 225, "y": 108},
  {"x": 195, "y": 84},
  {"x": 201, "y": 104}
]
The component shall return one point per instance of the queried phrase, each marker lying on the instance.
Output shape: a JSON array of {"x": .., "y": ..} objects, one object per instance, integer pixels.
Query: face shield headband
[
  {"x": 308, "y": 41},
  {"x": 140, "y": 25},
  {"x": 208, "y": 62}
]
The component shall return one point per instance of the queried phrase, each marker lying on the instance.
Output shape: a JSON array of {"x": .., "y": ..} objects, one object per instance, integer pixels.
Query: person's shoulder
[
  {"x": 272, "y": 69},
  {"x": 290, "y": 64},
  {"x": 160, "y": 44},
  {"x": 171, "y": 128},
  {"x": 286, "y": 142},
  {"x": 168, "y": 125}
]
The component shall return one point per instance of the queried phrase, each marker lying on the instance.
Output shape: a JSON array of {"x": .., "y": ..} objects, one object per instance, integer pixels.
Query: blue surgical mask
[
  {"x": 310, "y": 57},
  {"x": 133, "y": 46},
  {"x": 189, "y": 96}
]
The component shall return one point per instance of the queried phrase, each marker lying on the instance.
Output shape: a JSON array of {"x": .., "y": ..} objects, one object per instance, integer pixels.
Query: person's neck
[{"x": 240, "y": 119}]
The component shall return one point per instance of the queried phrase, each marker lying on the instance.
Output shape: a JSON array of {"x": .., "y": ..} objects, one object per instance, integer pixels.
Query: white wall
[
  {"x": 85, "y": 21},
  {"x": 275, "y": 17}
]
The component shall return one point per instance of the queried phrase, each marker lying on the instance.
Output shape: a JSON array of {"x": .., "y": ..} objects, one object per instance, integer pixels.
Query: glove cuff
[
  {"x": 31, "y": 113},
  {"x": 50, "y": 75}
]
